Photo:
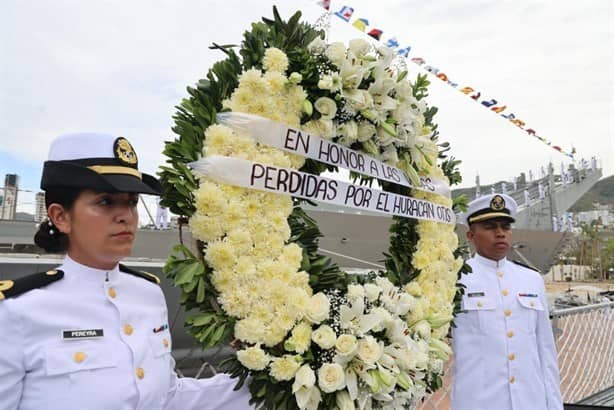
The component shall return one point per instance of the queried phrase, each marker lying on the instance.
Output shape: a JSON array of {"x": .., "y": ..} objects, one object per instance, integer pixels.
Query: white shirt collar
[
  {"x": 489, "y": 262},
  {"x": 75, "y": 270}
]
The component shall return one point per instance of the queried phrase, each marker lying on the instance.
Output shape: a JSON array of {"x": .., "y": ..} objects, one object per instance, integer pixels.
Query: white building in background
[
  {"x": 604, "y": 215},
  {"x": 40, "y": 212},
  {"x": 8, "y": 209}
]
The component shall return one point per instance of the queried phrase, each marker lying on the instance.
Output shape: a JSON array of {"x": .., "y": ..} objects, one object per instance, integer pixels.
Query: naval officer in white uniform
[
  {"x": 92, "y": 334},
  {"x": 504, "y": 352}
]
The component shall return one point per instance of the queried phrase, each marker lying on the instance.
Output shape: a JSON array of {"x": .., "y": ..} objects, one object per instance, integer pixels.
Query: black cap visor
[
  {"x": 71, "y": 175},
  {"x": 487, "y": 216}
]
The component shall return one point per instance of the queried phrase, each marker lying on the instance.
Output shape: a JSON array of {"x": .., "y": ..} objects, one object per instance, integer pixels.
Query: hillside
[{"x": 602, "y": 192}]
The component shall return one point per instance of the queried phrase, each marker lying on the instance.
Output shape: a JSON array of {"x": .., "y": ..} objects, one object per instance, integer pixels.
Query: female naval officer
[{"x": 93, "y": 334}]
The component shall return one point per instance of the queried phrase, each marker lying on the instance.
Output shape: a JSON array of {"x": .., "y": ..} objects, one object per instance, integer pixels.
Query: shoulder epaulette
[
  {"x": 141, "y": 274},
  {"x": 14, "y": 288},
  {"x": 526, "y": 266}
]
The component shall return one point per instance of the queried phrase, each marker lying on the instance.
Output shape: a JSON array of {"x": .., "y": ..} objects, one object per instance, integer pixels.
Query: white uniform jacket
[
  {"x": 98, "y": 340},
  {"x": 504, "y": 352}
]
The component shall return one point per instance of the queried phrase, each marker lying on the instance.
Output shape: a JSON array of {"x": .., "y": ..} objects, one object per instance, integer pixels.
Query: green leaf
[
  {"x": 186, "y": 275},
  {"x": 201, "y": 319},
  {"x": 200, "y": 291}
]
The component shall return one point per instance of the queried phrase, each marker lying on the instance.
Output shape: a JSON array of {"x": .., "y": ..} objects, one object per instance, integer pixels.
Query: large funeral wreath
[{"x": 307, "y": 334}]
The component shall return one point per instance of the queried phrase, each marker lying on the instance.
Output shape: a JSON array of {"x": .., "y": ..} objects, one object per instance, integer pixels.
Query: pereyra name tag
[
  {"x": 82, "y": 334},
  {"x": 475, "y": 294}
]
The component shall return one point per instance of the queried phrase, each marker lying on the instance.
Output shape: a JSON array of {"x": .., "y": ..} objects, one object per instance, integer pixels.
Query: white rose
[
  {"x": 336, "y": 53},
  {"x": 369, "y": 350},
  {"x": 327, "y": 107},
  {"x": 359, "y": 47},
  {"x": 346, "y": 346},
  {"x": 355, "y": 292},
  {"x": 331, "y": 377},
  {"x": 318, "y": 309},
  {"x": 372, "y": 291},
  {"x": 344, "y": 401},
  {"x": 253, "y": 358},
  {"x": 317, "y": 46},
  {"x": 324, "y": 336}
]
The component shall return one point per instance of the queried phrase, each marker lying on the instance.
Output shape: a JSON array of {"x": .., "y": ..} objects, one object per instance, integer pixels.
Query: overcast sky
[{"x": 121, "y": 67}]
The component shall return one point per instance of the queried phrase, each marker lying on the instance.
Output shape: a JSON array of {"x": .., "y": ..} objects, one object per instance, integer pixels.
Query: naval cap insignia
[
  {"x": 497, "y": 203},
  {"x": 124, "y": 152}
]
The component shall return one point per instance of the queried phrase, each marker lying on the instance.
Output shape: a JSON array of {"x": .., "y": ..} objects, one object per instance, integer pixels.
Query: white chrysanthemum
[
  {"x": 254, "y": 358},
  {"x": 284, "y": 368},
  {"x": 275, "y": 60}
]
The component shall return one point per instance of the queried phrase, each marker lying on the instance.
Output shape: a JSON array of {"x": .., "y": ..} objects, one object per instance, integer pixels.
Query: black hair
[{"x": 48, "y": 236}]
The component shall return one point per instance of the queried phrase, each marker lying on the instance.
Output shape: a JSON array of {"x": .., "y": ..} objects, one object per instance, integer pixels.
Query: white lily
[
  {"x": 330, "y": 82},
  {"x": 344, "y": 401},
  {"x": 358, "y": 100},
  {"x": 351, "y": 381},
  {"x": 306, "y": 393},
  {"x": 352, "y": 74},
  {"x": 397, "y": 331}
]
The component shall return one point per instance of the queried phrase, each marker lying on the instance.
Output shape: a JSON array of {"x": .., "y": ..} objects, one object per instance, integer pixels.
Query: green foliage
[
  {"x": 403, "y": 239},
  {"x": 421, "y": 87}
]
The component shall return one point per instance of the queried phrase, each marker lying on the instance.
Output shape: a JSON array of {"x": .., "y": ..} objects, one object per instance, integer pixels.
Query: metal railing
[{"x": 585, "y": 344}]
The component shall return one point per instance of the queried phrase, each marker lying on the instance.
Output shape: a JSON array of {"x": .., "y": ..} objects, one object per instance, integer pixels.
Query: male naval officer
[{"x": 504, "y": 352}]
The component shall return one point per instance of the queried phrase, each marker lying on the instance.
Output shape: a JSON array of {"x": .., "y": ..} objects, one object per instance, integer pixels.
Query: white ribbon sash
[
  {"x": 248, "y": 174},
  {"x": 293, "y": 140}
]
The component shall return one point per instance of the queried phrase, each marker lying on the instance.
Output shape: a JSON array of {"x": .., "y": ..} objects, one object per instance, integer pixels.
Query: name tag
[
  {"x": 79, "y": 334},
  {"x": 528, "y": 295},
  {"x": 475, "y": 294}
]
